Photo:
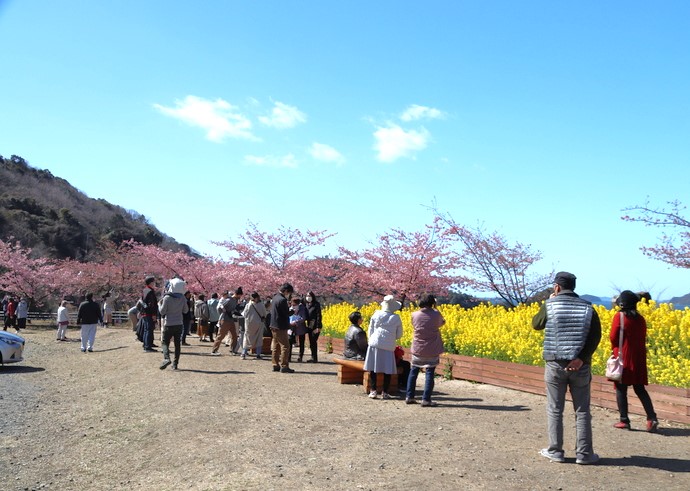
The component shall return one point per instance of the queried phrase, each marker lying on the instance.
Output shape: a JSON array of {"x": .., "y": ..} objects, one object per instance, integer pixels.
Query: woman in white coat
[
  {"x": 254, "y": 314},
  {"x": 385, "y": 328},
  {"x": 62, "y": 321}
]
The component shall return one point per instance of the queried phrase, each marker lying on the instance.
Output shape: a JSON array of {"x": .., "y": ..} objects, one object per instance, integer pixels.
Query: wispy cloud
[
  {"x": 416, "y": 112},
  {"x": 276, "y": 161},
  {"x": 283, "y": 116},
  {"x": 218, "y": 118},
  {"x": 393, "y": 142},
  {"x": 326, "y": 153}
]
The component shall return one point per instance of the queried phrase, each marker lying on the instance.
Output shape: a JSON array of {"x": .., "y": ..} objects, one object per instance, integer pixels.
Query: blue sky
[{"x": 539, "y": 119}]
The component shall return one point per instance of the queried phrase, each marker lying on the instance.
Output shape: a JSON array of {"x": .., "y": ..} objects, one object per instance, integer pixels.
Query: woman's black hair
[
  {"x": 427, "y": 301},
  {"x": 354, "y": 317},
  {"x": 627, "y": 302}
]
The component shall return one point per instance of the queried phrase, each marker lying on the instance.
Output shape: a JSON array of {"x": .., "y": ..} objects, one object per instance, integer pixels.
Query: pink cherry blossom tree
[
  {"x": 489, "y": 263},
  {"x": 262, "y": 261},
  {"x": 673, "y": 248},
  {"x": 405, "y": 264},
  {"x": 25, "y": 276}
]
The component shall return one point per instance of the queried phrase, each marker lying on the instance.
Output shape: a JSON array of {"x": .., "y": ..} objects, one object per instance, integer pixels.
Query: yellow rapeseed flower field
[{"x": 494, "y": 332}]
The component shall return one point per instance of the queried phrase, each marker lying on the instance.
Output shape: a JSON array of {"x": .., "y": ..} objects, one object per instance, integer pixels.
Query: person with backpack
[{"x": 202, "y": 313}]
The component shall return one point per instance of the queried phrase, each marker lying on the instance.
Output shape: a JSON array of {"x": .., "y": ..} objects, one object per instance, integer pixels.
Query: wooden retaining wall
[{"x": 671, "y": 403}]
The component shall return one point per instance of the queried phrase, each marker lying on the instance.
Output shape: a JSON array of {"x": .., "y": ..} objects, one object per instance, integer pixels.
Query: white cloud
[
  {"x": 283, "y": 117},
  {"x": 326, "y": 153},
  {"x": 276, "y": 161},
  {"x": 415, "y": 112},
  {"x": 218, "y": 118},
  {"x": 393, "y": 142}
]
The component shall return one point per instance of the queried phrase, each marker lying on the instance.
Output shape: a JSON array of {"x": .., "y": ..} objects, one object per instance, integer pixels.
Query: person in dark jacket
[
  {"x": 280, "y": 324},
  {"x": 88, "y": 316},
  {"x": 150, "y": 314},
  {"x": 355, "y": 338},
  {"x": 572, "y": 331},
  {"x": 187, "y": 318},
  {"x": 314, "y": 325}
]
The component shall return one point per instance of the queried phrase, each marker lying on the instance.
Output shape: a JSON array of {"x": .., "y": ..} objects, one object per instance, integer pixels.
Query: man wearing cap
[
  {"x": 572, "y": 332},
  {"x": 148, "y": 318},
  {"x": 280, "y": 323}
]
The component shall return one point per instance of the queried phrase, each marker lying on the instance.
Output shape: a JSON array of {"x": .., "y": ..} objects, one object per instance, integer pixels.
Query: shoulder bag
[{"x": 614, "y": 365}]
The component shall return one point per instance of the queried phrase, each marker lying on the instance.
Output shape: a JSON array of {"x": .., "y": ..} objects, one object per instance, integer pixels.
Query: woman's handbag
[{"x": 614, "y": 365}]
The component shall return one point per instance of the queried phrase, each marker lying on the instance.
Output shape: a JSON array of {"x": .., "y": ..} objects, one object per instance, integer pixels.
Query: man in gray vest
[{"x": 572, "y": 332}]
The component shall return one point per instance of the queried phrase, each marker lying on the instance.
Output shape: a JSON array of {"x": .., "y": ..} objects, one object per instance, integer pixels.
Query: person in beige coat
[{"x": 254, "y": 314}]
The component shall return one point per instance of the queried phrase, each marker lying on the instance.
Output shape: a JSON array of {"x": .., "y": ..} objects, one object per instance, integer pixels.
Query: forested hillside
[{"x": 56, "y": 220}]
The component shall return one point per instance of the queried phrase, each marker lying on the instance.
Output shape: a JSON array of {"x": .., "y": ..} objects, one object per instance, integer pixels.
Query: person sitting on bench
[{"x": 355, "y": 339}]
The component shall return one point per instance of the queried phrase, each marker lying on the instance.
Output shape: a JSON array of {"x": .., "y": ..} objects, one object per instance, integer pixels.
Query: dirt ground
[{"x": 112, "y": 419}]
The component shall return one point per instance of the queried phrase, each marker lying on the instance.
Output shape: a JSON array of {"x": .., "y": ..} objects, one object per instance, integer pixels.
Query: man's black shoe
[
  {"x": 150, "y": 350},
  {"x": 286, "y": 370},
  {"x": 165, "y": 364},
  {"x": 276, "y": 368}
]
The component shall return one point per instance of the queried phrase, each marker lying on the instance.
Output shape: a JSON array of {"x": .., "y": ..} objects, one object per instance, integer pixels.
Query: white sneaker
[
  {"x": 592, "y": 459},
  {"x": 553, "y": 457},
  {"x": 373, "y": 395},
  {"x": 215, "y": 353}
]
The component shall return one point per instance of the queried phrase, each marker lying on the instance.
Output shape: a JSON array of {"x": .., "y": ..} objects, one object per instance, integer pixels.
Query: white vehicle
[{"x": 11, "y": 348}]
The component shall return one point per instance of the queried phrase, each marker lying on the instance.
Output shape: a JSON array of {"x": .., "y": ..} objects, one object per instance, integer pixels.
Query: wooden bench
[
  {"x": 352, "y": 372},
  {"x": 349, "y": 371},
  {"x": 265, "y": 346}
]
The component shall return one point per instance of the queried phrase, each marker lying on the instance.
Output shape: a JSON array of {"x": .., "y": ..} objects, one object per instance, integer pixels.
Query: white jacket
[
  {"x": 253, "y": 313},
  {"x": 385, "y": 329}
]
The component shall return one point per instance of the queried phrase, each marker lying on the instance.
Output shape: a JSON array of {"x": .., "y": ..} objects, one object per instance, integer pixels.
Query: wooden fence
[{"x": 671, "y": 403}]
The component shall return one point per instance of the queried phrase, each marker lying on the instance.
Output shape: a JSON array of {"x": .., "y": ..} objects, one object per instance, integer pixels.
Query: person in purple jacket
[{"x": 427, "y": 347}]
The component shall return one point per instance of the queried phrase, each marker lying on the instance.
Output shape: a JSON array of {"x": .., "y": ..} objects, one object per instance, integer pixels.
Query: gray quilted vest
[{"x": 567, "y": 326}]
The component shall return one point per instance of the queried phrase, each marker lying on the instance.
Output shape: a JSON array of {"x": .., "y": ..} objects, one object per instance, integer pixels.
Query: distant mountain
[
  {"x": 681, "y": 302},
  {"x": 606, "y": 302},
  {"x": 678, "y": 302},
  {"x": 56, "y": 220}
]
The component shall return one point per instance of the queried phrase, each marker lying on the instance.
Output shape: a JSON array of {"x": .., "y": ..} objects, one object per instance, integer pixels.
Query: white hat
[
  {"x": 390, "y": 304},
  {"x": 178, "y": 286}
]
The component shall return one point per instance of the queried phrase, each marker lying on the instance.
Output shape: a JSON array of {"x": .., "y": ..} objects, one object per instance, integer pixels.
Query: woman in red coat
[{"x": 634, "y": 359}]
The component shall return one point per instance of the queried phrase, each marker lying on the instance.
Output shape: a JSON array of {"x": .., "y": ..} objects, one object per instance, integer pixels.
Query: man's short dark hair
[
  {"x": 286, "y": 288},
  {"x": 89, "y": 297},
  {"x": 427, "y": 301},
  {"x": 355, "y": 317}
]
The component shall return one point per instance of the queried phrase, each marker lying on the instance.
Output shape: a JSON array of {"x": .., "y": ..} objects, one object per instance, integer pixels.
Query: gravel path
[{"x": 112, "y": 420}]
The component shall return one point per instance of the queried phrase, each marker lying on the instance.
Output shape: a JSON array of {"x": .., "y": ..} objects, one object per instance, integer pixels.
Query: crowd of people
[
  {"x": 572, "y": 333},
  {"x": 237, "y": 320},
  {"x": 15, "y": 312}
]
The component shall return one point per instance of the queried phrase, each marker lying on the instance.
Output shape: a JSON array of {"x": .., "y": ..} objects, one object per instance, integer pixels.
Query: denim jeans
[
  {"x": 428, "y": 383},
  {"x": 149, "y": 327},
  {"x": 186, "y": 323},
  {"x": 558, "y": 381}
]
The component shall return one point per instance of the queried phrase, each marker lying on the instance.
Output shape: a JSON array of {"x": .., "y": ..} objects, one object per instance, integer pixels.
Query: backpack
[{"x": 141, "y": 306}]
